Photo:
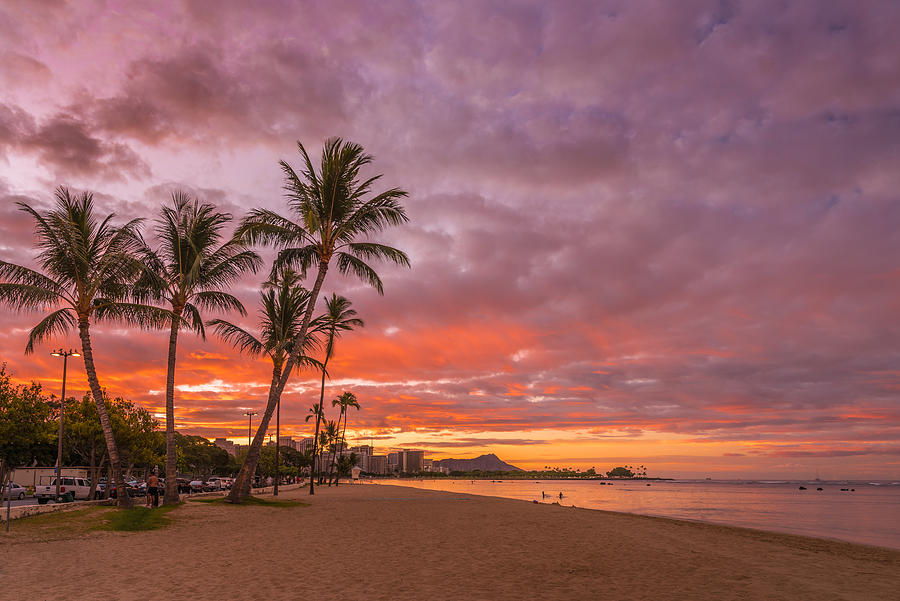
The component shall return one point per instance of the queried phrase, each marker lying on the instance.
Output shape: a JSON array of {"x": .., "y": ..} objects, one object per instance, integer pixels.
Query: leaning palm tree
[
  {"x": 338, "y": 318},
  {"x": 189, "y": 272},
  {"x": 283, "y": 303},
  {"x": 88, "y": 268},
  {"x": 346, "y": 400},
  {"x": 334, "y": 221}
]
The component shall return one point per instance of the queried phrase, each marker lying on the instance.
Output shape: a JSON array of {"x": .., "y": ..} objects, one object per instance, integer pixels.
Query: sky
[{"x": 658, "y": 233}]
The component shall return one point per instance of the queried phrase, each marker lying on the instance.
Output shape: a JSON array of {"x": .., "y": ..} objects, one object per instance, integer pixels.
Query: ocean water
[{"x": 869, "y": 515}]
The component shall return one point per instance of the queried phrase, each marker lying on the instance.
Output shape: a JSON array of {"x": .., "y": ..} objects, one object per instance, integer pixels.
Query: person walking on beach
[{"x": 153, "y": 489}]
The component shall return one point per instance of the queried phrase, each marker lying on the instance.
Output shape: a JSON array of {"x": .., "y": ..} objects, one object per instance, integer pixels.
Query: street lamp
[
  {"x": 62, "y": 410},
  {"x": 250, "y": 415}
]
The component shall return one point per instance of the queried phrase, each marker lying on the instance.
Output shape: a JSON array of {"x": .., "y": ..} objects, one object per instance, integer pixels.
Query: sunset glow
[{"x": 646, "y": 233}]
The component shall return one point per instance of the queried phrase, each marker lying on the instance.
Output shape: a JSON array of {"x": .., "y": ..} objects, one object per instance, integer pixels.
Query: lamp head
[{"x": 56, "y": 354}]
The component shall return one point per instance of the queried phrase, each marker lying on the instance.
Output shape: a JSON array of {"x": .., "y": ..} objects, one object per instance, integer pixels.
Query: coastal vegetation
[
  {"x": 189, "y": 272},
  {"x": 92, "y": 271},
  {"x": 283, "y": 303},
  {"x": 89, "y": 268},
  {"x": 333, "y": 221},
  {"x": 338, "y": 318}
]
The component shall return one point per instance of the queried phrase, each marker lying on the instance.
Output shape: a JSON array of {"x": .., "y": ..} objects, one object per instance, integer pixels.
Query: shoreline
[
  {"x": 673, "y": 519},
  {"x": 830, "y": 515},
  {"x": 401, "y": 543}
]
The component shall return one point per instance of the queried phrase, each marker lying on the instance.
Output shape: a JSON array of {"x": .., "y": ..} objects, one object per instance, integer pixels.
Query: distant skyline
[{"x": 641, "y": 232}]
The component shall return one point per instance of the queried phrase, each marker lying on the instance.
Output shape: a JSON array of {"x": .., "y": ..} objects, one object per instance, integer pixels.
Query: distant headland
[{"x": 490, "y": 466}]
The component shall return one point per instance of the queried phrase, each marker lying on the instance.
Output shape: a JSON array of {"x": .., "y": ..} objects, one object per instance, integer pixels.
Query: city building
[
  {"x": 378, "y": 464},
  {"x": 393, "y": 462},
  {"x": 412, "y": 461},
  {"x": 225, "y": 445}
]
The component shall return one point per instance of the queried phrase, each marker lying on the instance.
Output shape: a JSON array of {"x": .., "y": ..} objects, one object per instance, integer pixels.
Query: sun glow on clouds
[{"x": 686, "y": 254}]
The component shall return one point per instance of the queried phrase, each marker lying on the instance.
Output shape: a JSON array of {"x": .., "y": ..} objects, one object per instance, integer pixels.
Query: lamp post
[
  {"x": 250, "y": 415},
  {"x": 62, "y": 410}
]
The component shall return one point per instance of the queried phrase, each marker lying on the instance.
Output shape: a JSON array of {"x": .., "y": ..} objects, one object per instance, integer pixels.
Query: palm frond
[
  {"x": 228, "y": 263},
  {"x": 28, "y": 298},
  {"x": 347, "y": 263},
  {"x": 58, "y": 322},
  {"x": 218, "y": 301},
  {"x": 299, "y": 259},
  {"x": 194, "y": 321},
  {"x": 266, "y": 227},
  {"x": 237, "y": 337},
  {"x": 146, "y": 317},
  {"x": 372, "y": 250}
]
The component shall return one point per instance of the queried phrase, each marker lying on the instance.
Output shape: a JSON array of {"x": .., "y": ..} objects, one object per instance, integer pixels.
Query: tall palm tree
[
  {"x": 334, "y": 220},
  {"x": 329, "y": 440},
  {"x": 315, "y": 411},
  {"x": 346, "y": 400},
  {"x": 190, "y": 271},
  {"x": 283, "y": 303},
  {"x": 89, "y": 266},
  {"x": 338, "y": 318}
]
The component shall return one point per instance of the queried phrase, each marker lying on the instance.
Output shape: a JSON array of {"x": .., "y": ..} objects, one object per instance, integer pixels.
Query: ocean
[{"x": 868, "y": 515}]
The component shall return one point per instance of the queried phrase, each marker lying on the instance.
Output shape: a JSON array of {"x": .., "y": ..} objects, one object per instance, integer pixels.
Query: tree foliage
[{"x": 27, "y": 432}]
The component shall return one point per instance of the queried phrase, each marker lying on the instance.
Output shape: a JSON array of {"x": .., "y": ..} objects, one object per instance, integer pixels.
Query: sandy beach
[{"x": 394, "y": 543}]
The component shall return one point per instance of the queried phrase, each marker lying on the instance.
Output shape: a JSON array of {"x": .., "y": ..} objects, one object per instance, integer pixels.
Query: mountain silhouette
[{"x": 485, "y": 463}]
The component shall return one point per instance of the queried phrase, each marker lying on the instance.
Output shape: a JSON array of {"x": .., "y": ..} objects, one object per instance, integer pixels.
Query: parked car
[
  {"x": 14, "y": 491},
  {"x": 184, "y": 485},
  {"x": 69, "y": 490},
  {"x": 197, "y": 485}
]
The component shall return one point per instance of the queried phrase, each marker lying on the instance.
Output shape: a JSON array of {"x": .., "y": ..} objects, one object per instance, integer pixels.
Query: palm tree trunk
[
  {"x": 240, "y": 489},
  {"x": 171, "y": 495},
  {"x": 346, "y": 411},
  {"x": 277, "y": 444},
  {"x": 123, "y": 500},
  {"x": 275, "y": 391},
  {"x": 337, "y": 445},
  {"x": 312, "y": 469}
]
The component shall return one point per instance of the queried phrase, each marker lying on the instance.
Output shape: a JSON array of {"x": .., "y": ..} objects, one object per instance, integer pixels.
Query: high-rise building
[
  {"x": 305, "y": 445},
  {"x": 225, "y": 445},
  {"x": 378, "y": 464},
  {"x": 413, "y": 461},
  {"x": 393, "y": 462}
]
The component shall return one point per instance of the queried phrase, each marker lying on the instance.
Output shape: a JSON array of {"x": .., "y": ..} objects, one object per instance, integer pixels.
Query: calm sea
[{"x": 869, "y": 515}]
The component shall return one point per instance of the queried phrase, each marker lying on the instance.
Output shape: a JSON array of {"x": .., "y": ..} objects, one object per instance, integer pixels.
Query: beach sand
[{"x": 394, "y": 543}]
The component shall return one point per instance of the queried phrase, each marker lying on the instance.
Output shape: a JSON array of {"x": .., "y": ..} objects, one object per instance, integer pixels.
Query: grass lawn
[
  {"x": 253, "y": 501},
  {"x": 138, "y": 518}
]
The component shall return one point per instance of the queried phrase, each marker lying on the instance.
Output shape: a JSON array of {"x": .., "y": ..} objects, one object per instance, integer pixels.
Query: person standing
[{"x": 153, "y": 489}]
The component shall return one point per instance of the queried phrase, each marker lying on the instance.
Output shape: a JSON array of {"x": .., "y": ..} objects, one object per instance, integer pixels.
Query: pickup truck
[{"x": 69, "y": 490}]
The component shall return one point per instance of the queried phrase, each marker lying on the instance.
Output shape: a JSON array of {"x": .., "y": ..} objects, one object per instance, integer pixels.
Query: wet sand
[{"x": 394, "y": 543}]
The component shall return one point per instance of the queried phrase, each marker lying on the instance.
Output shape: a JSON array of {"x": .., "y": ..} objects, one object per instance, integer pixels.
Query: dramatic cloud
[{"x": 644, "y": 231}]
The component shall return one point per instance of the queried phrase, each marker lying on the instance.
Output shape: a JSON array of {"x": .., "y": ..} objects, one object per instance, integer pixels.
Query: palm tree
[
  {"x": 283, "y": 303},
  {"x": 334, "y": 221},
  {"x": 315, "y": 411},
  {"x": 346, "y": 400},
  {"x": 89, "y": 266},
  {"x": 330, "y": 435},
  {"x": 338, "y": 318},
  {"x": 189, "y": 272}
]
